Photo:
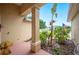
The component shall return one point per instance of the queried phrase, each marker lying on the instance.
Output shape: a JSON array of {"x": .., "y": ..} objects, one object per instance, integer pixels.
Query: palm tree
[{"x": 54, "y": 14}]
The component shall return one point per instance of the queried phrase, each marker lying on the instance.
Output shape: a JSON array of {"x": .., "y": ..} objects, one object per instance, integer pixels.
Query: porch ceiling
[
  {"x": 19, "y": 4},
  {"x": 25, "y": 8}
]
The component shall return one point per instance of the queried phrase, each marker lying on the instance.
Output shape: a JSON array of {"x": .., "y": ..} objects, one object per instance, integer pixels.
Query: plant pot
[
  {"x": 0, "y": 52},
  {"x": 6, "y": 51}
]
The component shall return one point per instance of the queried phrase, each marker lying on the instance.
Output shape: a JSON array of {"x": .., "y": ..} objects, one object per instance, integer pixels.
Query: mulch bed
[{"x": 65, "y": 49}]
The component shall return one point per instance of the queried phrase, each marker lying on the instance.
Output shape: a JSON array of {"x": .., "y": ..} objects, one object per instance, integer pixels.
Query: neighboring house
[
  {"x": 74, "y": 18},
  {"x": 15, "y": 27}
]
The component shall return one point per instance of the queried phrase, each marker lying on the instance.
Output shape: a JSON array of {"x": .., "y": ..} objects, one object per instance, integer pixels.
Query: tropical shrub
[
  {"x": 4, "y": 47},
  {"x": 61, "y": 34},
  {"x": 49, "y": 33},
  {"x": 43, "y": 37},
  {"x": 42, "y": 24}
]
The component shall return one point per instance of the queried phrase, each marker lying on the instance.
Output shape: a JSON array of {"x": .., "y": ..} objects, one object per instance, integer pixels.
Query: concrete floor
[{"x": 24, "y": 48}]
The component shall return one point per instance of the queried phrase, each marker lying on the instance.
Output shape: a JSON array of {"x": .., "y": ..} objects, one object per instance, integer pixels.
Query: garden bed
[{"x": 64, "y": 49}]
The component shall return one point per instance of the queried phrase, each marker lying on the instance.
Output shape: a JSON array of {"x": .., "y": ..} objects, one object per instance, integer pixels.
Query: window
[{"x": 28, "y": 18}]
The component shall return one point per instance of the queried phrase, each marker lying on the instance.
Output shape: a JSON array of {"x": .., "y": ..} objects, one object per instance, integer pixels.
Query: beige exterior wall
[
  {"x": 14, "y": 28},
  {"x": 75, "y": 29},
  {"x": 0, "y": 23}
]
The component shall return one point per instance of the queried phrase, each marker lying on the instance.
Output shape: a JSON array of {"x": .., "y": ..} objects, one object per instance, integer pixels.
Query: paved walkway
[{"x": 24, "y": 48}]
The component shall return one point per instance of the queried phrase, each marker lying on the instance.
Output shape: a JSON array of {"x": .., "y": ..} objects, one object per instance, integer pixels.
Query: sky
[{"x": 62, "y": 11}]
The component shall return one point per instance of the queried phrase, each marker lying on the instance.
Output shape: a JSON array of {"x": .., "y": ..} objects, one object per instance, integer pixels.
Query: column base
[{"x": 35, "y": 47}]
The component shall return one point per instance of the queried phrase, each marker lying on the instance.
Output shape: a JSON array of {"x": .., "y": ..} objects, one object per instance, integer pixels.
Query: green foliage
[
  {"x": 49, "y": 33},
  {"x": 68, "y": 29},
  {"x": 42, "y": 24},
  {"x": 43, "y": 36},
  {"x": 57, "y": 51},
  {"x": 61, "y": 34},
  {"x": 53, "y": 10}
]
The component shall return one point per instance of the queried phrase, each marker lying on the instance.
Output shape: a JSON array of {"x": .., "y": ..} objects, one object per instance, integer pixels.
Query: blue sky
[{"x": 62, "y": 11}]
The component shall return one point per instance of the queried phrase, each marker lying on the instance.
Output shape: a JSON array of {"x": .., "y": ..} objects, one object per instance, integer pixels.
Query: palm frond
[{"x": 53, "y": 10}]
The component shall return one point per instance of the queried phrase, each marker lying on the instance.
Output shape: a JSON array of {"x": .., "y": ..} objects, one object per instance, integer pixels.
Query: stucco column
[{"x": 35, "y": 46}]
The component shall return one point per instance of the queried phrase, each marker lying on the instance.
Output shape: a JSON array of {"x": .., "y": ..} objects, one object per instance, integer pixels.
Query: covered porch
[
  {"x": 34, "y": 9},
  {"x": 24, "y": 48},
  {"x": 33, "y": 46}
]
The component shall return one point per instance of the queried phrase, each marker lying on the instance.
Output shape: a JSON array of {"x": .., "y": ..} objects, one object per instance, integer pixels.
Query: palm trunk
[{"x": 51, "y": 36}]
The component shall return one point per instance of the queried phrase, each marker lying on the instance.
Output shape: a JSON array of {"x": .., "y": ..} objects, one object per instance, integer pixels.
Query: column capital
[{"x": 35, "y": 6}]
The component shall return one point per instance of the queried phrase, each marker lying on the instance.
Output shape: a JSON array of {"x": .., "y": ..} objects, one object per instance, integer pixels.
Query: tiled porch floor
[{"x": 24, "y": 48}]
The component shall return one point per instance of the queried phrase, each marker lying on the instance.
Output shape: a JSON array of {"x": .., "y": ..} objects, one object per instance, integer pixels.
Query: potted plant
[{"x": 4, "y": 48}]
